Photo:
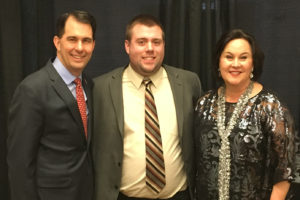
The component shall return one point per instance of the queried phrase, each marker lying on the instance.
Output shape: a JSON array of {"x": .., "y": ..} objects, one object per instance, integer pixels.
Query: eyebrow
[
  {"x": 240, "y": 54},
  {"x": 144, "y": 38},
  {"x": 83, "y": 38}
]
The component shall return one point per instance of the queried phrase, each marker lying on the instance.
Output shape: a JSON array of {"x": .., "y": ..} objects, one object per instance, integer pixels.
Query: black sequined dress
[{"x": 261, "y": 145}]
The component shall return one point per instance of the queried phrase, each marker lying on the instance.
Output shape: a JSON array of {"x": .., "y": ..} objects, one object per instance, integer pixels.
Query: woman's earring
[
  {"x": 219, "y": 72},
  {"x": 251, "y": 75}
]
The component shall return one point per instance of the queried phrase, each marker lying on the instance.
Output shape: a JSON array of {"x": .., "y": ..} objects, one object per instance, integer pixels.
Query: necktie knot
[
  {"x": 147, "y": 82},
  {"x": 77, "y": 81}
]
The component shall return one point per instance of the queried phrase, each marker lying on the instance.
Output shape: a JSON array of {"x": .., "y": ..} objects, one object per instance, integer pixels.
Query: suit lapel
[
  {"x": 63, "y": 91},
  {"x": 115, "y": 88},
  {"x": 177, "y": 90}
]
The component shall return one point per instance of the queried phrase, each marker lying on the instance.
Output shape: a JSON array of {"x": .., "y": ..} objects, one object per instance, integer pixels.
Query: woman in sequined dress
[{"x": 244, "y": 134}]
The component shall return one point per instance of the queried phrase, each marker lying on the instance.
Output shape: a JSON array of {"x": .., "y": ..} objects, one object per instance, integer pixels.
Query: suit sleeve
[
  {"x": 197, "y": 89},
  {"x": 24, "y": 131}
]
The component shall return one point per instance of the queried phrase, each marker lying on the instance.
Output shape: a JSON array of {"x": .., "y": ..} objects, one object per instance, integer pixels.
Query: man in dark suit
[
  {"x": 143, "y": 100},
  {"x": 50, "y": 120}
]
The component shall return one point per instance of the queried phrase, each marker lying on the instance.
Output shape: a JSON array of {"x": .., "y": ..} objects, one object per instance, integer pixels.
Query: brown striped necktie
[
  {"x": 81, "y": 103},
  {"x": 155, "y": 166}
]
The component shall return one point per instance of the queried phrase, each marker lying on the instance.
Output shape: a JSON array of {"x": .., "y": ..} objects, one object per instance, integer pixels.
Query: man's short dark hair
[
  {"x": 81, "y": 16},
  {"x": 144, "y": 19}
]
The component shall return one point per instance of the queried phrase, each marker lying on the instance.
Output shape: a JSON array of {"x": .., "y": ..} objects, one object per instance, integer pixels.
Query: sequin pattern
[{"x": 261, "y": 146}]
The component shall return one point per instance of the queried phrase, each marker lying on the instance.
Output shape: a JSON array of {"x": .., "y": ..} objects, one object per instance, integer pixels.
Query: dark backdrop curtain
[
  {"x": 10, "y": 48},
  {"x": 26, "y": 32},
  {"x": 192, "y": 28}
]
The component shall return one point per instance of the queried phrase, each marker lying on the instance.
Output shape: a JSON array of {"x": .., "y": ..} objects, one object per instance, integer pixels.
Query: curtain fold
[
  {"x": 10, "y": 75},
  {"x": 192, "y": 28},
  {"x": 37, "y": 18},
  {"x": 26, "y": 31}
]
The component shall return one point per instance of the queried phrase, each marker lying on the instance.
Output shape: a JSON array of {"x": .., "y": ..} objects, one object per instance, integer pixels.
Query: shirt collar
[
  {"x": 137, "y": 79},
  {"x": 63, "y": 72}
]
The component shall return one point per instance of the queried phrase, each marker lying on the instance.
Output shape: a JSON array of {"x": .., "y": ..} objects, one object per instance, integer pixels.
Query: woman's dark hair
[
  {"x": 257, "y": 54},
  {"x": 81, "y": 16}
]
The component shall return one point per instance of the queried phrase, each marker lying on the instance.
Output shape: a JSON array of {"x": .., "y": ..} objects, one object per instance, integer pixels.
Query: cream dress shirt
[{"x": 133, "y": 182}]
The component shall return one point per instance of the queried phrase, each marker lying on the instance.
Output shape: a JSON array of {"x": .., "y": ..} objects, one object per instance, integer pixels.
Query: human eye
[
  {"x": 244, "y": 57},
  {"x": 87, "y": 40},
  {"x": 72, "y": 39},
  {"x": 157, "y": 42},
  {"x": 229, "y": 57},
  {"x": 141, "y": 42}
]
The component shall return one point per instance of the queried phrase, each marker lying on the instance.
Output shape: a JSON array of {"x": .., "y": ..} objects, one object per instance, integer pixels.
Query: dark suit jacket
[
  {"x": 107, "y": 143},
  {"x": 48, "y": 154}
]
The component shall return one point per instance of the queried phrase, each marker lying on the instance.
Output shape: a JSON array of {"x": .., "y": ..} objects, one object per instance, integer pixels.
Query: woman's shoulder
[
  {"x": 208, "y": 95},
  {"x": 269, "y": 96},
  {"x": 271, "y": 103},
  {"x": 206, "y": 99}
]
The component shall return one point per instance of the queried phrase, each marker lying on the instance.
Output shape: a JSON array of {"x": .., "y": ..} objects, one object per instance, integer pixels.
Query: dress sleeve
[
  {"x": 202, "y": 101},
  {"x": 281, "y": 129}
]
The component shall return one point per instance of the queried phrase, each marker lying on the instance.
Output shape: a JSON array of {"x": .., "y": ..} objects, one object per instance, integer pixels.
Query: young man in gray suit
[
  {"x": 49, "y": 127},
  {"x": 127, "y": 164}
]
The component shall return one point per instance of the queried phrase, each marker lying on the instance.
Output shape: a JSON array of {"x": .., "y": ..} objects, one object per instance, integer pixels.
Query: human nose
[
  {"x": 79, "y": 46},
  {"x": 236, "y": 62},
  {"x": 149, "y": 46}
]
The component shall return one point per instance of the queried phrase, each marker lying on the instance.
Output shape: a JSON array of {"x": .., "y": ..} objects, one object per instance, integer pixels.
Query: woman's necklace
[{"x": 224, "y": 132}]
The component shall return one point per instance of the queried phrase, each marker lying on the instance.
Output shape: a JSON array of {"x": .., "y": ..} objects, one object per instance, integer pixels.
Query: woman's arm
[{"x": 280, "y": 190}]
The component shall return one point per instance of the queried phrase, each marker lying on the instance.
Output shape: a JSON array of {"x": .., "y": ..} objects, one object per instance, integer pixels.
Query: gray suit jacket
[
  {"x": 48, "y": 154},
  {"x": 107, "y": 143}
]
